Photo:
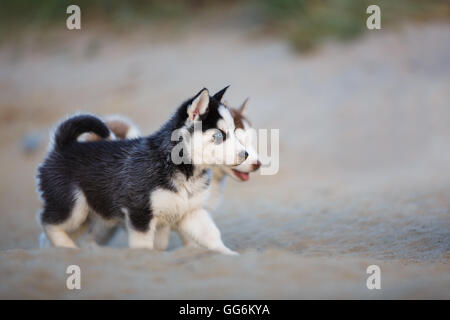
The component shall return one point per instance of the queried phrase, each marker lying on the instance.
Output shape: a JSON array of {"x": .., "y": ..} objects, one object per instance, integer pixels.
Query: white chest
[{"x": 171, "y": 206}]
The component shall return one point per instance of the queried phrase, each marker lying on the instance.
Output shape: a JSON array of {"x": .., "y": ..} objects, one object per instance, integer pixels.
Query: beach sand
[{"x": 364, "y": 175}]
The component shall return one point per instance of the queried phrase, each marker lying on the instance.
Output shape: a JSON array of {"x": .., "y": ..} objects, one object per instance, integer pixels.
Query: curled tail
[{"x": 69, "y": 130}]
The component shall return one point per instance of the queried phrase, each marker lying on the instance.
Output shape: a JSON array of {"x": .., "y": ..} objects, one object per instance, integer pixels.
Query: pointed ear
[
  {"x": 199, "y": 105},
  {"x": 243, "y": 106},
  {"x": 218, "y": 96}
]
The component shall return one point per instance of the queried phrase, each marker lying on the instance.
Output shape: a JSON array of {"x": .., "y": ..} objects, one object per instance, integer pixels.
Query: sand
[{"x": 364, "y": 173}]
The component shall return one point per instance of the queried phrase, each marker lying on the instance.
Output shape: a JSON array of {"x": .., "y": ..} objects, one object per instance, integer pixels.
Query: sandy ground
[{"x": 364, "y": 163}]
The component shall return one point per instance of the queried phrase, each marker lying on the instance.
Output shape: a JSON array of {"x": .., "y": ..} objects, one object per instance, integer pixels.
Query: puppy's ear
[
  {"x": 243, "y": 106},
  {"x": 199, "y": 105},
  {"x": 218, "y": 96}
]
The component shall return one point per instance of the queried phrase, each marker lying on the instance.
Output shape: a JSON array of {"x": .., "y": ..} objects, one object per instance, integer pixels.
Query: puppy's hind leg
[
  {"x": 162, "y": 237},
  {"x": 57, "y": 223},
  {"x": 98, "y": 231},
  {"x": 199, "y": 226},
  {"x": 103, "y": 232},
  {"x": 58, "y": 236}
]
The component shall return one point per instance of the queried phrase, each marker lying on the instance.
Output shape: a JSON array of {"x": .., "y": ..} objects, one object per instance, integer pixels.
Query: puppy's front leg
[
  {"x": 199, "y": 226},
  {"x": 162, "y": 237},
  {"x": 187, "y": 240}
]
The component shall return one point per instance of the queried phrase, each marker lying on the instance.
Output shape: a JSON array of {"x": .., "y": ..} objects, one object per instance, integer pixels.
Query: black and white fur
[
  {"x": 123, "y": 128},
  {"x": 135, "y": 181}
]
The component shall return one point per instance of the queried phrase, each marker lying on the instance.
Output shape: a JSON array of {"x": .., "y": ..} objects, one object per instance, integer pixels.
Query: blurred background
[{"x": 364, "y": 120}]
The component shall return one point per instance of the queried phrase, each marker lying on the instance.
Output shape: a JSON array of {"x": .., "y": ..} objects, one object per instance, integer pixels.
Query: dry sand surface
[{"x": 364, "y": 163}]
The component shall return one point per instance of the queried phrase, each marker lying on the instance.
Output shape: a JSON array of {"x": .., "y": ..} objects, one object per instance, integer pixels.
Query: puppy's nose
[
  {"x": 256, "y": 165},
  {"x": 243, "y": 155}
]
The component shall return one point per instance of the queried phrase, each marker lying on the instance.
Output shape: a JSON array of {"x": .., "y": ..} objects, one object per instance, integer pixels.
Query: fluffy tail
[{"x": 68, "y": 131}]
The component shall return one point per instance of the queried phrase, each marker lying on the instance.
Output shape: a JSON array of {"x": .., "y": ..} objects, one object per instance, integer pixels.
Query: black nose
[{"x": 257, "y": 165}]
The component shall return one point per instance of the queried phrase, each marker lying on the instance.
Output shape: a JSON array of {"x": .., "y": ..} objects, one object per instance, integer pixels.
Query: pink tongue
[{"x": 241, "y": 175}]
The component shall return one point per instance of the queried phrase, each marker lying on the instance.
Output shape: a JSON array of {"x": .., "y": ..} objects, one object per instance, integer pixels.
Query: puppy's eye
[{"x": 218, "y": 137}]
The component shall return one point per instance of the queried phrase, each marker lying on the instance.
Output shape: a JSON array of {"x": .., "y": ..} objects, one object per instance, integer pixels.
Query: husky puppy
[
  {"x": 137, "y": 181},
  {"x": 123, "y": 128}
]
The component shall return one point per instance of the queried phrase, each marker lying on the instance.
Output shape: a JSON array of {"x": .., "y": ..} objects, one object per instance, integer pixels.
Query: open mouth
[{"x": 244, "y": 176}]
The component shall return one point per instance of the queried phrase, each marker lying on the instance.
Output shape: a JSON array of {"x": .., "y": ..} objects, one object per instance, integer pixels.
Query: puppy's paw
[{"x": 229, "y": 252}]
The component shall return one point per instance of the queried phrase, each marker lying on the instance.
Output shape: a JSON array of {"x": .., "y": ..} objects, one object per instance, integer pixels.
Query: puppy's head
[
  {"x": 246, "y": 134},
  {"x": 213, "y": 139}
]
